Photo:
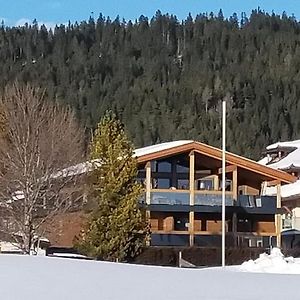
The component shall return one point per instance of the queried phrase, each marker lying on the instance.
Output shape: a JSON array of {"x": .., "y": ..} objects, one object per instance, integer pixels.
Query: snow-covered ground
[{"x": 29, "y": 277}]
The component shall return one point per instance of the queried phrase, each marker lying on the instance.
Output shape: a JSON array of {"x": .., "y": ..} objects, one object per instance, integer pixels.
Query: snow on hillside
[{"x": 29, "y": 277}]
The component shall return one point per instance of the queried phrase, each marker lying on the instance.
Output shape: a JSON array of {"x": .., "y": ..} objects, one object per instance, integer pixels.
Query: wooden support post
[
  {"x": 235, "y": 198},
  {"x": 235, "y": 184},
  {"x": 148, "y": 182},
  {"x": 192, "y": 196},
  {"x": 148, "y": 193},
  {"x": 278, "y": 217},
  {"x": 216, "y": 182}
]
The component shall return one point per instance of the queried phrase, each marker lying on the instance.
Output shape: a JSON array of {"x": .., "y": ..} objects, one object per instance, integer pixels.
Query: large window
[
  {"x": 182, "y": 169},
  {"x": 161, "y": 166},
  {"x": 164, "y": 166}
]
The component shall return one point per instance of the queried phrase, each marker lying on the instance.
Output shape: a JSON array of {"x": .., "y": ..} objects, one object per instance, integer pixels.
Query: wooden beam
[
  {"x": 234, "y": 229},
  {"x": 192, "y": 178},
  {"x": 148, "y": 193},
  {"x": 216, "y": 182},
  {"x": 148, "y": 182},
  {"x": 273, "y": 182},
  {"x": 191, "y": 227},
  {"x": 228, "y": 169},
  {"x": 235, "y": 184},
  {"x": 235, "y": 198}
]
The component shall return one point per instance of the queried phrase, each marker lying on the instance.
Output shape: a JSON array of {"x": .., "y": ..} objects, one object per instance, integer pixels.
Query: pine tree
[{"x": 116, "y": 230}]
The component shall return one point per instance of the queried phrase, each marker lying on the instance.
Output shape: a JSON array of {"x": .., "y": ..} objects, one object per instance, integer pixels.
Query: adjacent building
[{"x": 285, "y": 156}]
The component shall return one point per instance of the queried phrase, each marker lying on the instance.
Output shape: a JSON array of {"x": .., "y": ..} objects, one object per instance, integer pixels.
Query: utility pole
[{"x": 223, "y": 178}]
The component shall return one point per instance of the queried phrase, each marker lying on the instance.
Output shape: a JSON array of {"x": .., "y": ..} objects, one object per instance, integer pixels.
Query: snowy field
[{"x": 34, "y": 277}]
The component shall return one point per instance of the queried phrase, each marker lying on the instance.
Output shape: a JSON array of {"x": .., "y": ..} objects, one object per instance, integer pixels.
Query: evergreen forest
[{"x": 165, "y": 78}]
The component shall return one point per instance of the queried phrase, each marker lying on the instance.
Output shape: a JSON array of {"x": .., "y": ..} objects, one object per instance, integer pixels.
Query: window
[
  {"x": 258, "y": 202},
  {"x": 244, "y": 225},
  {"x": 161, "y": 183},
  {"x": 181, "y": 223},
  {"x": 254, "y": 242},
  {"x": 161, "y": 166},
  {"x": 228, "y": 185},
  {"x": 183, "y": 184},
  {"x": 182, "y": 169},
  {"x": 204, "y": 184},
  {"x": 164, "y": 166},
  {"x": 287, "y": 221},
  {"x": 251, "y": 201}
]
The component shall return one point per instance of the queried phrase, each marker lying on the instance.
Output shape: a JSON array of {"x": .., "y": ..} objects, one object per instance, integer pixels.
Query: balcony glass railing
[
  {"x": 170, "y": 197},
  {"x": 249, "y": 201},
  {"x": 212, "y": 199},
  {"x": 208, "y": 198}
]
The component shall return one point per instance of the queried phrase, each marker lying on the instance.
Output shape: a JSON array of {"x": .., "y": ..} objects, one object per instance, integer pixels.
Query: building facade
[{"x": 183, "y": 199}]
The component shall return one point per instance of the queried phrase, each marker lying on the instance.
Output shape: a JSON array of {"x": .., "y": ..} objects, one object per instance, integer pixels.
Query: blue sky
[{"x": 15, "y": 12}]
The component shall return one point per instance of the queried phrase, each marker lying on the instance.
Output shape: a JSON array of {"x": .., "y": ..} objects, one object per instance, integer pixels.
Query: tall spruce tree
[{"x": 117, "y": 227}]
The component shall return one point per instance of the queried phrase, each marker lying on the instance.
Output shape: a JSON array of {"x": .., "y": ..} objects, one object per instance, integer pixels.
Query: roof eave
[{"x": 217, "y": 154}]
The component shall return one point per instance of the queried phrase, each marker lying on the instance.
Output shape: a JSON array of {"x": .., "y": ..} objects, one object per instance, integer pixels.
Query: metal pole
[{"x": 223, "y": 179}]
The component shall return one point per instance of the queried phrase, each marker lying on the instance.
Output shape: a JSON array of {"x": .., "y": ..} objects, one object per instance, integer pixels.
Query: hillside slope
[{"x": 165, "y": 78}]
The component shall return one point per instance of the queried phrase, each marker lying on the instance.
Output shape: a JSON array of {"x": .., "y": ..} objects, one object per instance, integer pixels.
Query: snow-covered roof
[
  {"x": 264, "y": 161},
  {"x": 287, "y": 162},
  {"x": 287, "y": 144},
  {"x": 78, "y": 169},
  {"x": 88, "y": 166},
  {"x": 291, "y": 160},
  {"x": 159, "y": 147}
]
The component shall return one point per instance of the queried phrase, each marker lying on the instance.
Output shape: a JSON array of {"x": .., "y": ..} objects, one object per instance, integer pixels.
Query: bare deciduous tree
[{"x": 41, "y": 141}]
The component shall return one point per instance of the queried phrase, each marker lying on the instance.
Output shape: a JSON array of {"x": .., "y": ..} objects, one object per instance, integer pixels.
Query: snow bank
[
  {"x": 273, "y": 263},
  {"x": 48, "y": 278}
]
